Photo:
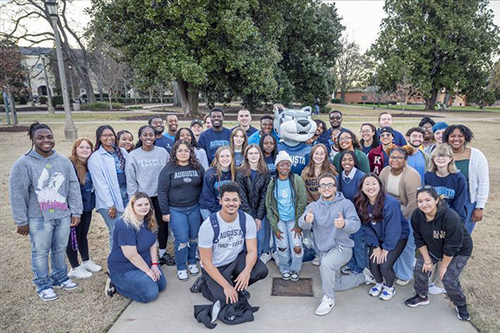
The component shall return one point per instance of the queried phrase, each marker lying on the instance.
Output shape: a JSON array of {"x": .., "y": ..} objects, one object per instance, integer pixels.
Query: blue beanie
[{"x": 440, "y": 126}]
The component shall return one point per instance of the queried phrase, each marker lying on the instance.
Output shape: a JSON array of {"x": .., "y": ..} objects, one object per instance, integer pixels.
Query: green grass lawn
[{"x": 422, "y": 108}]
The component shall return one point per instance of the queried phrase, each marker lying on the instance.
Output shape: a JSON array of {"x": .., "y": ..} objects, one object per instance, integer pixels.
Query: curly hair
[
  {"x": 193, "y": 161},
  {"x": 466, "y": 132}
]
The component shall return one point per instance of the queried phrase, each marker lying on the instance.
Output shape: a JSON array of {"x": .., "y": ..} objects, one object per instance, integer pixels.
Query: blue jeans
[
  {"x": 403, "y": 267},
  {"x": 49, "y": 237},
  {"x": 264, "y": 237},
  {"x": 359, "y": 259},
  {"x": 138, "y": 286},
  {"x": 469, "y": 209},
  {"x": 205, "y": 213},
  {"x": 289, "y": 260},
  {"x": 110, "y": 223},
  {"x": 185, "y": 223},
  {"x": 125, "y": 198}
]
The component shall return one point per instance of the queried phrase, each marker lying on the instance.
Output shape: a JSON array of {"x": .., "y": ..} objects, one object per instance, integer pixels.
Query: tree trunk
[
  {"x": 15, "y": 121},
  {"x": 177, "y": 96},
  {"x": 193, "y": 101},
  {"x": 431, "y": 102},
  {"x": 342, "y": 97},
  {"x": 183, "y": 94},
  {"x": 6, "y": 105},
  {"x": 110, "y": 99},
  {"x": 88, "y": 87}
]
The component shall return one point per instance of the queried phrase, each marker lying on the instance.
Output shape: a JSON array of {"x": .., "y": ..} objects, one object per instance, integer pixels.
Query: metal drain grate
[{"x": 301, "y": 288}]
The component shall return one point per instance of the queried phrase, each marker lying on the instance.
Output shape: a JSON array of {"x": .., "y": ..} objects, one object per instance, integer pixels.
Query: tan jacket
[{"x": 410, "y": 181}]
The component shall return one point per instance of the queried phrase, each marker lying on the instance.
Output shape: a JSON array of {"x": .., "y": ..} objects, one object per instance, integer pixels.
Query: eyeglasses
[
  {"x": 327, "y": 186},
  {"x": 396, "y": 158}
]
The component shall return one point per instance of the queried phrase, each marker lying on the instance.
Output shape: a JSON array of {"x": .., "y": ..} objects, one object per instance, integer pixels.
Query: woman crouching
[{"x": 133, "y": 261}]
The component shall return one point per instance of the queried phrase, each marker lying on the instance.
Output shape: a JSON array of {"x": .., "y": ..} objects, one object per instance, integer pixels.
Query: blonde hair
[
  {"x": 130, "y": 217},
  {"x": 442, "y": 149},
  {"x": 216, "y": 164}
]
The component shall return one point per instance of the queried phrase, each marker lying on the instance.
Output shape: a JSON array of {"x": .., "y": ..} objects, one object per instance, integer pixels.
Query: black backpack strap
[
  {"x": 215, "y": 225},
  {"x": 243, "y": 222}
]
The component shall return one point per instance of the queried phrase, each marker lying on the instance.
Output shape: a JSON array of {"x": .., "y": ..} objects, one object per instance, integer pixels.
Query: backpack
[{"x": 215, "y": 225}]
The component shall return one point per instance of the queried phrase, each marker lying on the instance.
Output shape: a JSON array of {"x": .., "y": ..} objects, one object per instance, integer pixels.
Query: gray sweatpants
[
  {"x": 451, "y": 279},
  {"x": 331, "y": 278}
]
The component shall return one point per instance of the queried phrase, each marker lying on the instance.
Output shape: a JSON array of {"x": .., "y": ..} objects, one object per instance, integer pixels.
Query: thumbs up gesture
[
  {"x": 309, "y": 216},
  {"x": 339, "y": 221}
]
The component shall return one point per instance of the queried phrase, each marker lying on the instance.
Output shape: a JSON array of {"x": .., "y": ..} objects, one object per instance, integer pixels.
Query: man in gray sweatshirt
[
  {"x": 45, "y": 200},
  {"x": 333, "y": 218}
]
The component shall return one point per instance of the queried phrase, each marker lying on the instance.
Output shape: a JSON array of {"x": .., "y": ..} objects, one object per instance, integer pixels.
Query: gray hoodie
[
  {"x": 326, "y": 235},
  {"x": 44, "y": 187}
]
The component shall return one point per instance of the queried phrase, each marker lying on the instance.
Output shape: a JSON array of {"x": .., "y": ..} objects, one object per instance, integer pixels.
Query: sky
[{"x": 361, "y": 18}]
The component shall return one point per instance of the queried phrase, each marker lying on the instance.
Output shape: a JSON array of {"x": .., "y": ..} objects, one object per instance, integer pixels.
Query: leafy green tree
[{"x": 439, "y": 45}]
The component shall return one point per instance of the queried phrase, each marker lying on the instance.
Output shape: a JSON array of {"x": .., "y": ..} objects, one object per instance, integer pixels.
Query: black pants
[
  {"x": 384, "y": 270},
  {"x": 162, "y": 225},
  {"x": 82, "y": 229},
  {"x": 213, "y": 291}
]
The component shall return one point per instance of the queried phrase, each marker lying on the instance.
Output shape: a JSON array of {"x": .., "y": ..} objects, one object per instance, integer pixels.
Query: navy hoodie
[
  {"x": 387, "y": 233},
  {"x": 210, "y": 193},
  {"x": 211, "y": 140},
  {"x": 444, "y": 235},
  {"x": 452, "y": 188}
]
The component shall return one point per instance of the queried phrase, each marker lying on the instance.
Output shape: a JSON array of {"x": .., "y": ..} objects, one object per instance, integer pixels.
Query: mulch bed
[{"x": 14, "y": 129}]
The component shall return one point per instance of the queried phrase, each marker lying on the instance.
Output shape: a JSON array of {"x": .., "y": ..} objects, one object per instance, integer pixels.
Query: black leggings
[
  {"x": 82, "y": 229},
  {"x": 384, "y": 270},
  {"x": 162, "y": 225}
]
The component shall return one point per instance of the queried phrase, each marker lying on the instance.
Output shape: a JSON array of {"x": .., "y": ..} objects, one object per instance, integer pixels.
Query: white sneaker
[
  {"x": 387, "y": 293},
  {"x": 48, "y": 295},
  {"x": 376, "y": 289},
  {"x": 183, "y": 275},
  {"x": 401, "y": 282},
  {"x": 265, "y": 257},
  {"x": 369, "y": 277},
  {"x": 67, "y": 285},
  {"x": 193, "y": 269},
  {"x": 325, "y": 306},
  {"x": 316, "y": 262},
  {"x": 91, "y": 266},
  {"x": 79, "y": 273},
  {"x": 435, "y": 290}
]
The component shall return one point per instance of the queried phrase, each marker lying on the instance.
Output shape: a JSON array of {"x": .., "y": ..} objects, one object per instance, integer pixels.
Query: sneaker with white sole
[
  {"x": 91, "y": 266},
  {"x": 401, "y": 282},
  {"x": 326, "y": 305},
  {"x": 295, "y": 276},
  {"x": 286, "y": 276},
  {"x": 48, "y": 295},
  {"x": 376, "y": 289},
  {"x": 183, "y": 275},
  {"x": 387, "y": 293},
  {"x": 193, "y": 269},
  {"x": 435, "y": 290},
  {"x": 316, "y": 261},
  {"x": 462, "y": 312},
  {"x": 369, "y": 277},
  {"x": 79, "y": 273},
  {"x": 67, "y": 285},
  {"x": 265, "y": 257},
  {"x": 110, "y": 288},
  {"x": 417, "y": 301}
]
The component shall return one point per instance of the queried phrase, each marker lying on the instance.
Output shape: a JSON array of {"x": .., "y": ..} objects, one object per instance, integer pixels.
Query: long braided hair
[{"x": 116, "y": 149}]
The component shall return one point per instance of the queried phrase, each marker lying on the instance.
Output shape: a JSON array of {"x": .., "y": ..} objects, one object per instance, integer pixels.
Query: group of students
[{"x": 233, "y": 202}]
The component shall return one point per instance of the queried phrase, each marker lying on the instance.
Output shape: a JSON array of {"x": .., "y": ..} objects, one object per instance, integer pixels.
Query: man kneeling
[
  {"x": 228, "y": 250},
  {"x": 333, "y": 218}
]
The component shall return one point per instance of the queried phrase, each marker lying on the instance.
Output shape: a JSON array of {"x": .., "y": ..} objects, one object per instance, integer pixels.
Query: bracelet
[
  {"x": 427, "y": 263},
  {"x": 155, "y": 263}
]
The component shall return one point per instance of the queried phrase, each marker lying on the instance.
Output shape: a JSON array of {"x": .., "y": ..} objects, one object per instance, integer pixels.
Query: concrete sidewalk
[{"x": 355, "y": 311}]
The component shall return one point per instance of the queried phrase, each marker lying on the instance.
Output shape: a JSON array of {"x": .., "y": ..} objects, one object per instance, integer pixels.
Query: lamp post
[
  {"x": 49, "y": 94},
  {"x": 70, "y": 131}
]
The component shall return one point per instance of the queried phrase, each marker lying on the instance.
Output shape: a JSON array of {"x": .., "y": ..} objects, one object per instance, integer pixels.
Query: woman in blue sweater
[
  {"x": 223, "y": 170},
  {"x": 348, "y": 184},
  {"x": 386, "y": 233}
]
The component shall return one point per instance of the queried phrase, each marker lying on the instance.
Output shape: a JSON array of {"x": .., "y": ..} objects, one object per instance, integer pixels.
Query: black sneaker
[
  {"x": 110, "y": 288},
  {"x": 462, "y": 312},
  {"x": 417, "y": 301},
  {"x": 167, "y": 259},
  {"x": 198, "y": 285}
]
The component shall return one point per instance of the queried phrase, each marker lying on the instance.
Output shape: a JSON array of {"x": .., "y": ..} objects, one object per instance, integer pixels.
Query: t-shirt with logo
[
  {"x": 179, "y": 186},
  {"x": 230, "y": 241},
  {"x": 286, "y": 207}
]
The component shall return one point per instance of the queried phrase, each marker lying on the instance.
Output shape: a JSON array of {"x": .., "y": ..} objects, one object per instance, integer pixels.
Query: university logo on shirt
[{"x": 284, "y": 193}]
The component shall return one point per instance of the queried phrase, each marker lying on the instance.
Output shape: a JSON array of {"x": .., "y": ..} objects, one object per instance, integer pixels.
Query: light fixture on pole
[{"x": 70, "y": 131}]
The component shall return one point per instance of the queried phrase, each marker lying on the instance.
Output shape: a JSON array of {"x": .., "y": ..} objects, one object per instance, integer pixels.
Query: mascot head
[{"x": 294, "y": 126}]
